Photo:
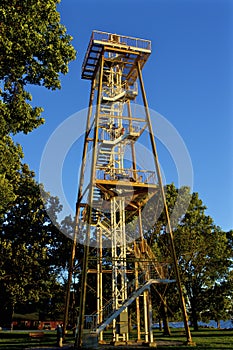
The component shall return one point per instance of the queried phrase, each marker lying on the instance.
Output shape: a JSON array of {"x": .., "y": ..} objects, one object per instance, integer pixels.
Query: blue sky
[{"x": 188, "y": 79}]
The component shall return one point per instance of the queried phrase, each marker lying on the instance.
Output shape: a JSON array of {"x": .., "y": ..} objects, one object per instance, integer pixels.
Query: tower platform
[{"x": 127, "y": 47}]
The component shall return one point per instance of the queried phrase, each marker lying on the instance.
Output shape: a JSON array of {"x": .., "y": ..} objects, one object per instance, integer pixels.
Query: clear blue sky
[{"x": 188, "y": 79}]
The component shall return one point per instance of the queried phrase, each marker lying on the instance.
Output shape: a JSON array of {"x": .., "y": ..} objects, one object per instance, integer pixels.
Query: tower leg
[
  {"x": 169, "y": 229},
  {"x": 78, "y": 341}
]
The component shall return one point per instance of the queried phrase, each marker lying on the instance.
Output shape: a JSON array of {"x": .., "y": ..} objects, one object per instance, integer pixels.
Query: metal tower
[{"x": 114, "y": 190}]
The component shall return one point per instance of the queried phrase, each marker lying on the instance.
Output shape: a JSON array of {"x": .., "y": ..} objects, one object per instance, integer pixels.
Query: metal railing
[
  {"x": 113, "y": 91},
  {"x": 90, "y": 321},
  {"x": 118, "y": 133},
  {"x": 118, "y": 174},
  {"x": 136, "y": 43},
  {"x": 121, "y": 39}
]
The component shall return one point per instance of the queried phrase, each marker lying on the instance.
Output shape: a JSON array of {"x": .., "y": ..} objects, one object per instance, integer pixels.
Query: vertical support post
[
  {"x": 69, "y": 281},
  {"x": 132, "y": 143},
  {"x": 114, "y": 266},
  {"x": 73, "y": 249},
  {"x": 90, "y": 199},
  {"x": 169, "y": 229},
  {"x": 142, "y": 245},
  {"x": 137, "y": 299},
  {"x": 145, "y": 316},
  {"x": 138, "y": 319},
  {"x": 150, "y": 318},
  {"x": 100, "y": 284}
]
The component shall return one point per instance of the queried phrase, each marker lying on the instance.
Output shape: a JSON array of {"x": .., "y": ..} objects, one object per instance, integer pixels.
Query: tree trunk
[
  {"x": 6, "y": 313},
  {"x": 166, "y": 329},
  {"x": 194, "y": 316},
  {"x": 160, "y": 324}
]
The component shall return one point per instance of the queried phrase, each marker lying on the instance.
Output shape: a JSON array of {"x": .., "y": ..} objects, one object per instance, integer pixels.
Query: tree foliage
[
  {"x": 35, "y": 49},
  {"x": 10, "y": 164},
  {"x": 203, "y": 252},
  {"x": 29, "y": 247}
]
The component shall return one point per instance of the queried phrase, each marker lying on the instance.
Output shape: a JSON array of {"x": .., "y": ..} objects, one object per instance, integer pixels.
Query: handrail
[
  {"x": 121, "y": 39},
  {"x": 104, "y": 172}
]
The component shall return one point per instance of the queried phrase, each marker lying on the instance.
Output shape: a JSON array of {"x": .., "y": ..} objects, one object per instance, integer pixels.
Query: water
[
  {"x": 223, "y": 324},
  {"x": 211, "y": 324}
]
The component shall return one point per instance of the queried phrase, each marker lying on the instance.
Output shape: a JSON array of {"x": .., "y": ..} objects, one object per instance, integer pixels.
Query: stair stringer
[{"x": 129, "y": 301}]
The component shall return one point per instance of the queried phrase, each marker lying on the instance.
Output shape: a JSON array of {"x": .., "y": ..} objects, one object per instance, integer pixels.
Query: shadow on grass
[
  {"x": 205, "y": 339},
  {"x": 21, "y": 340}
]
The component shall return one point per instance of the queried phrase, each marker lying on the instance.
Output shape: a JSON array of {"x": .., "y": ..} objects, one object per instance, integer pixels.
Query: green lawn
[
  {"x": 204, "y": 339},
  {"x": 207, "y": 339}
]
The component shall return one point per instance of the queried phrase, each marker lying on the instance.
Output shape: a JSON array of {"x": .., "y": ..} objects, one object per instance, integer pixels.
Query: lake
[{"x": 211, "y": 324}]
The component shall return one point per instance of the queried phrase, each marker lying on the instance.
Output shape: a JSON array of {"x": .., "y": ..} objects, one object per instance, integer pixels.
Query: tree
[
  {"x": 218, "y": 302},
  {"x": 28, "y": 247},
  {"x": 203, "y": 254},
  {"x": 158, "y": 238},
  {"x": 10, "y": 164},
  {"x": 35, "y": 49}
]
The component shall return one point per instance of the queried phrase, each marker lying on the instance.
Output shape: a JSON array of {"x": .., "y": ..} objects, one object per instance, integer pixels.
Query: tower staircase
[{"x": 109, "y": 314}]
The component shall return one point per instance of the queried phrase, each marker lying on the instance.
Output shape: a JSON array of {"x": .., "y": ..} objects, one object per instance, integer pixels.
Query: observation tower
[{"x": 119, "y": 189}]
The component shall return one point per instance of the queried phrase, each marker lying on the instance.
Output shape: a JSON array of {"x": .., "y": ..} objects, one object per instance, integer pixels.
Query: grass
[
  {"x": 205, "y": 339},
  {"x": 19, "y": 340}
]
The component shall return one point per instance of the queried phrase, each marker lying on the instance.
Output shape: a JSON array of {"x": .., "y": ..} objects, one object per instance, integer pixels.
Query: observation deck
[{"x": 129, "y": 50}]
